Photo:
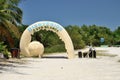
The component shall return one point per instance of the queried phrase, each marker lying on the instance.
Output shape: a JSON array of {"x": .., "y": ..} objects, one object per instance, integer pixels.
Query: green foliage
[
  {"x": 92, "y": 34},
  {"x": 116, "y": 36},
  {"x": 73, "y": 31},
  {"x": 10, "y": 18},
  {"x": 47, "y": 38},
  {"x": 3, "y": 48},
  {"x": 22, "y": 28},
  {"x": 81, "y": 37},
  {"x": 55, "y": 48},
  {"x": 50, "y": 40}
]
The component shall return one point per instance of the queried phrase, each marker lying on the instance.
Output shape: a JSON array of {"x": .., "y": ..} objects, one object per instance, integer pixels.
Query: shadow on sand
[
  {"x": 8, "y": 65},
  {"x": 55, "y": 57}
]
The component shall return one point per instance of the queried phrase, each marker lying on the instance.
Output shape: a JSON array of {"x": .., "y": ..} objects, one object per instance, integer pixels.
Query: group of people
[{"x": 91, "y": 53}]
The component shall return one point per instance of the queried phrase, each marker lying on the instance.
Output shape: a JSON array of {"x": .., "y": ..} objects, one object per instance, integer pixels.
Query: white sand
[{"x": 101, "y": 68}]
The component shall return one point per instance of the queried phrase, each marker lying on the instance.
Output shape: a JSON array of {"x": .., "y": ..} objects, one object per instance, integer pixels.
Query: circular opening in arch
[{"x": 51, "y": 41}]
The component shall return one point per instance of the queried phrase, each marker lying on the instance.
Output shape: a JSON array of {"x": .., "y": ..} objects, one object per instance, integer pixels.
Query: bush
[
  {"x": 3, "y": 50},
  {"x": 55, "y": 48}
]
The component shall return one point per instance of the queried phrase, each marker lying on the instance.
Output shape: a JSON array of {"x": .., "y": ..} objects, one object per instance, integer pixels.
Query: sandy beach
[{"x": 57, "y": 67}]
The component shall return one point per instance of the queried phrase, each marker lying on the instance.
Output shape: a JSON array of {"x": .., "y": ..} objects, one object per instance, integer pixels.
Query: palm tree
[{"x": 10, "y": 18}]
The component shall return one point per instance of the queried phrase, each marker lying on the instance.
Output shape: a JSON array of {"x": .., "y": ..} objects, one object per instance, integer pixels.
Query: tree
[
  {"x": 50, "y": 40},
  {"x": 75, "y": 36},
  {"x": 116, "y": 35},
  {"x": 10, "y": 18},
  {"x": 91, "y": 34}
]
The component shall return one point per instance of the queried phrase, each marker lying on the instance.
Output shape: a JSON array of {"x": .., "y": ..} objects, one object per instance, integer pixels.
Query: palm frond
[
  {"x": 10, "y": 18},
  {"x": 12, "y": 29}
]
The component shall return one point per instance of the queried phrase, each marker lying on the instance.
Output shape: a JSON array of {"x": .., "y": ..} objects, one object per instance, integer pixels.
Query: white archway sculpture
[{"x": 46, "y": 25}]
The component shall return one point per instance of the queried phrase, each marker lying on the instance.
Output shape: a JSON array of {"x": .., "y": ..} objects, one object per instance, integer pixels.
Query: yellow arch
[{"x": 46, "y": 25}]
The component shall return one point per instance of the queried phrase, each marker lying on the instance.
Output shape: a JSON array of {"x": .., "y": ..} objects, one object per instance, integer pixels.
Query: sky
[{"x": 72, "y": 12}]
